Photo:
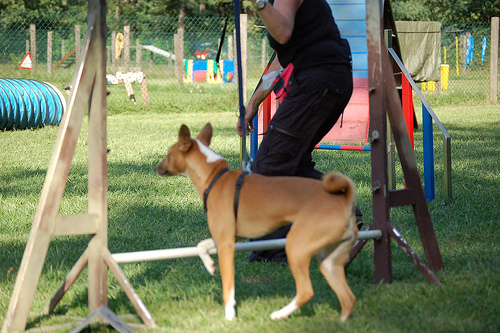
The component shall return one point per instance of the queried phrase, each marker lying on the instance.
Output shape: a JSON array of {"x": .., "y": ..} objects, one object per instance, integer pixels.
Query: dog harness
[{"x": 239, "y": 184}]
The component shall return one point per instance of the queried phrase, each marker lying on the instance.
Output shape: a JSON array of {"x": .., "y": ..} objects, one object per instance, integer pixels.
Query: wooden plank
[
  {"x": 378, "y": 133},
  {"x": 98, "y": 169},
  {"x": 68, "y": 282},
  {"x": 132, "y": 295},
  {"x": 70, "y": 225},
  {"x": 60, "y": 62}
]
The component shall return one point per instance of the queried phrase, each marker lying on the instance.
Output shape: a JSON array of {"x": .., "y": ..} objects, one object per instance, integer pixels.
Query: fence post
[
  {"x": 263, "y": 54},
  {"x": 230, "y": 47},
  {"x": 33, "y": 47},
  {"x": 463, "y": 52},
  {"x": 78, "y": 43},
  {"x": 126, "y": 48},
  {"x": 49, "y": 52},
  {"x": 63, "y": 48},
  {"x": 138, "y": 54},
  {"x": 113, "y": 52},
  {"x": 179, "y": 55},
  {"x": 494, "y": 60}
]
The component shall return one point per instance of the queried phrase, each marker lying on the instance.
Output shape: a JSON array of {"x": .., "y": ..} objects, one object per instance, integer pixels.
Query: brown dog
[{"x": 321, "y": 214}]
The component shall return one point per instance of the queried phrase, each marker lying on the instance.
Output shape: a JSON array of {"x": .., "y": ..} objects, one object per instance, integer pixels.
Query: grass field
[{"x": 150, "y": 212}]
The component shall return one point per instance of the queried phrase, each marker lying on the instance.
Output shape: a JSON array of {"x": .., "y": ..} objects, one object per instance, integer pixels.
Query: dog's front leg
[
  {"x": 204, "y": 247},
  {"x": 226, "y": 265}
]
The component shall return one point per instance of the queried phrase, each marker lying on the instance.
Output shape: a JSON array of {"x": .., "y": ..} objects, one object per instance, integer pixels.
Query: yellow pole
[
  {"x": 444, "y": 51},
  {"x": 456, "y": 43}
]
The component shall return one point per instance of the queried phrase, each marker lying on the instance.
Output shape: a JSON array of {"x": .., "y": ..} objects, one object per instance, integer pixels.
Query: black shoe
[
  {"x": 277, "y": 256},
  {"x": 359, "y": 218}
]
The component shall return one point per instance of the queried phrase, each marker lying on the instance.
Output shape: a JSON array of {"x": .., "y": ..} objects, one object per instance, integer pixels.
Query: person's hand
[{"x": 249, "y": 128}]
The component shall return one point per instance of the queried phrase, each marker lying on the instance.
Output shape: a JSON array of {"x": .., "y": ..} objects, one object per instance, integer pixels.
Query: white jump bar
[{"x": 185, "y": 252}]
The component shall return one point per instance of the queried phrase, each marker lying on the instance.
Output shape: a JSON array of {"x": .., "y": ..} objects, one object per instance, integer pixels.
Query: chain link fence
[
  {"x": 466, "y": 50},
  {"x": 150, "y": 45},
  {"x": 139, "y": 45}
]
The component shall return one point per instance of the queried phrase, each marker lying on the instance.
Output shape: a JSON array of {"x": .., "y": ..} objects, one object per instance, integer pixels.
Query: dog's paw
[
  {"x": 209, "y": 263},
  {"x": 286, "y": 311},
  {"x": 203, "y": 251},
  {"x": 278, "y": 315},
  {"x": 230, "y": 312}
]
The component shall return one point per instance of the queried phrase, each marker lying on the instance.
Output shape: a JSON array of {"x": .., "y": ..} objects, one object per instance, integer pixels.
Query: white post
[
  {"x": 78, "y": 42},
  {"x": 49, "y": 52},
  {"x": 33, "y": 47},
  {"x": 126, "y": 48},
  {"x": 494, "y": 60}
]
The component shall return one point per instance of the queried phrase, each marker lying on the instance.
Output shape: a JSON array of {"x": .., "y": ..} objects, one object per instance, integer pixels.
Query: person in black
[{"x": 314, "y": 87}]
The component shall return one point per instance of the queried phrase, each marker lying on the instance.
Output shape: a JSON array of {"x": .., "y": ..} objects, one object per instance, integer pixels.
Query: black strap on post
[{"x": 221, "y": 43}]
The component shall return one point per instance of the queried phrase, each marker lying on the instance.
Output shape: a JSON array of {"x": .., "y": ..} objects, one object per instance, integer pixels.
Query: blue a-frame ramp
[{"x": 350, "y": 16}]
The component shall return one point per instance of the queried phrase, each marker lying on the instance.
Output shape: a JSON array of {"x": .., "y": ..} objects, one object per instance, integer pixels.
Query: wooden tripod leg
[
  {"x": 413, "y": 256},
  {"x": 136, "y": 301},
  {"x": 68, "y": 282}
]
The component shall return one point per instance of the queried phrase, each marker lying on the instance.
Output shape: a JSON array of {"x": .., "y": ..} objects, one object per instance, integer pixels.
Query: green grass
[{"x": 150, "y": 212}]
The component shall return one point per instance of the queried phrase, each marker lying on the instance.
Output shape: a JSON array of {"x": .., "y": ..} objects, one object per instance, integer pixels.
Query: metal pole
[
  {"x": 237, "y": 23},
  {"x": 186, "y": 252}
]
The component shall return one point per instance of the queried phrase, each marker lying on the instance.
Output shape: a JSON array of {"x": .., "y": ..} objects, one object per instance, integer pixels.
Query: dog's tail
[{"x": 337, "y": 183}]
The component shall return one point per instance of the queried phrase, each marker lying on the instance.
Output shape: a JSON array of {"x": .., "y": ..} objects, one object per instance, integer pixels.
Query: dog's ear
[
  {"x": 205, "y": 135},
  {"x": 184, "y": 139}
]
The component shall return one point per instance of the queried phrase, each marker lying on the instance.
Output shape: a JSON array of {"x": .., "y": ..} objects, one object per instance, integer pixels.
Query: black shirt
[{"x": 315, "y": 40}]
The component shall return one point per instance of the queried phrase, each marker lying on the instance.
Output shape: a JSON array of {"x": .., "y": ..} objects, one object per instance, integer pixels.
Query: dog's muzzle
[{"x": 161, "y": 172}]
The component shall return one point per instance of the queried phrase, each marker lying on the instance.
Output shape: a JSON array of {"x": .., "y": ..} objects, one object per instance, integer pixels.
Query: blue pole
[
  {"x": 428, "y": 155},
  {"x": 254, "y": 139}
]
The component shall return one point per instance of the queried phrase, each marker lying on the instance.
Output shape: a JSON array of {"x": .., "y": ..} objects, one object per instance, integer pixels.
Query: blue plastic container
[{"x": 28, "y": 103}]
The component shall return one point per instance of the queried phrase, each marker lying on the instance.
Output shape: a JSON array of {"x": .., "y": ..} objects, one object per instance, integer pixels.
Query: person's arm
[
  {"x": 257, "y": 98},
  {"x": 279, "y": 18}
]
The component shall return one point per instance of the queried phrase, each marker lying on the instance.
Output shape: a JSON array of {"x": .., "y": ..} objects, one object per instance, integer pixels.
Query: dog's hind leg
[
  {"x": 299, "y": 260},
  {"x": 332, "y": 260}
]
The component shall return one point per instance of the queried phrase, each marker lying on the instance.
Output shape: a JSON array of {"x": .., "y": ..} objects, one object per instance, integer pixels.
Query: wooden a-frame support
[
  {"x": 90, "y": 89},
  {"x": 385, "y": 102}
]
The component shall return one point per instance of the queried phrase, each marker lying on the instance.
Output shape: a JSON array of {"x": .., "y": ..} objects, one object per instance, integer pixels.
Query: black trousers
[{"x": 315, "y": 101}]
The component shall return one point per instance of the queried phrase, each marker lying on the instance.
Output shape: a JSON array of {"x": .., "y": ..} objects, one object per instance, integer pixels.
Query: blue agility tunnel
[{"x": 28, "y": 103}]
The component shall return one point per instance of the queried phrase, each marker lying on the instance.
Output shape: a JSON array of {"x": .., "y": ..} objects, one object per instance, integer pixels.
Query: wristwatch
[{"x": 260, "y": 4}]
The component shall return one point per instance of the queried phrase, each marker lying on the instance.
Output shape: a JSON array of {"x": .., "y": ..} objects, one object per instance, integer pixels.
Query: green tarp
[{"x": 420, "y": 44}]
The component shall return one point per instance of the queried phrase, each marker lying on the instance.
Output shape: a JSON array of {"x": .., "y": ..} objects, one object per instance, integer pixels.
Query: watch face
[{"x": 260, "y": 4}]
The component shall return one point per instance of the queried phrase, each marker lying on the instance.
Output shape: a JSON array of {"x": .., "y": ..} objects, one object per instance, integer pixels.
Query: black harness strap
[
  {"x": 209, "y": 188},
  {"x": 239, "y": 184}
]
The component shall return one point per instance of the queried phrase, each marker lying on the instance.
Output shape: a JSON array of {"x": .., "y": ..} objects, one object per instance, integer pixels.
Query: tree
[{"x": 445, "y": 10}]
